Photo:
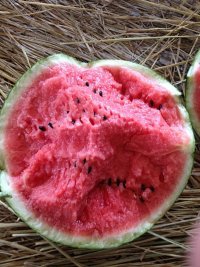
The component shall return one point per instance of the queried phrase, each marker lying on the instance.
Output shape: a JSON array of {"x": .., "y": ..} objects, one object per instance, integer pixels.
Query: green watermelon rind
[
  {"x": 190, "y": 87},
  {"x": 15, "y": 201}
]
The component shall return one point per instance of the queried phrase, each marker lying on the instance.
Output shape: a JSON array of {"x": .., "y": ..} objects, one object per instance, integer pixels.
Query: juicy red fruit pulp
[
  {"x": 196, "y": 95},
  {"x": 94, "y": 151}
]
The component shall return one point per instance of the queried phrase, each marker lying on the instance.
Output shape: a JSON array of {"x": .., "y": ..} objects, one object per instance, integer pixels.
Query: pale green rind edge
[
  {"x": 79, "y": 241},
  {"x": 141, "y": 69},
  {"x": 189, "y": 94},
  {"x": 160, "y": 81}
]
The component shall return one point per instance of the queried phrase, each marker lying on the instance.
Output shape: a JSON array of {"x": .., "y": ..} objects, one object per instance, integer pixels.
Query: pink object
[
  {"x": 93, "y": 151},
  {"x": 193, "y": 254},
  {"x": 196, "y": 94}
]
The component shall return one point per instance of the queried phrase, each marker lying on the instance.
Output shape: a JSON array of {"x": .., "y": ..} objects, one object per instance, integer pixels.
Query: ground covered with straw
[{"x": 163, "y": 35}]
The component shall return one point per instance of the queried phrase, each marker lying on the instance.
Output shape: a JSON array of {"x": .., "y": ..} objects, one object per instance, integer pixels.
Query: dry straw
[{"x": 163, "y": 35}]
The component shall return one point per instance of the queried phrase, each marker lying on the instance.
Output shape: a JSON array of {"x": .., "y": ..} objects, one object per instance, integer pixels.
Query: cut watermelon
[
  {"x": 193, "y": 93},
  {"x": 93, "y": 154}
]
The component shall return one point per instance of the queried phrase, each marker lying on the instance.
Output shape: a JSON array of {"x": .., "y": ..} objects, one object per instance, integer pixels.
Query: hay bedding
[{"x": 163, "y": 35}]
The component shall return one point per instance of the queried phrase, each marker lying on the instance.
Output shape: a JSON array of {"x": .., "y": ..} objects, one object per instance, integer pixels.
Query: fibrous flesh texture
[{"x": 94, "y": 151}]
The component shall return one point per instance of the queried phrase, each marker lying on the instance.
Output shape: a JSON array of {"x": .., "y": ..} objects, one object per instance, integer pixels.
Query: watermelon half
[
  {"x": 93, "y": 154},
  {"x": 193, "y": 93}
]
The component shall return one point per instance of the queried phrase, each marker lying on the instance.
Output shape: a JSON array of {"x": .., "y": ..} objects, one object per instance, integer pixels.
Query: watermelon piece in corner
[
  {"x": 93, "y": 154},
  {"x": 193, "y": 93}
]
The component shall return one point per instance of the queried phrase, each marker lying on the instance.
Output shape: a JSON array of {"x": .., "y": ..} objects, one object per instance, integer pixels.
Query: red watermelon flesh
[
  {"x": 94, "y": 151},
  {"x": 193, "y": 93},
  {"x": 196, "y": 95}
]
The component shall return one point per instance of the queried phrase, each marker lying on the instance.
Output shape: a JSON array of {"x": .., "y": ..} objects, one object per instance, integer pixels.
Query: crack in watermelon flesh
[{"x": 94, "y": 151}]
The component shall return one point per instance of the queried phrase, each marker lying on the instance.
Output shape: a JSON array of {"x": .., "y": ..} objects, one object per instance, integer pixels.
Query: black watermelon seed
[
  {"x": 87, "y": 84},
  {"x": 143, "y": 187},
  {"x": 118, "y": 181},
  {"x": 73, "y": 121},
  {"x": 42, "y": 128},
  {"x": 124, "y": 183},
  {"x": 95, "y": 91},
  {"x": 78, "y": 100},
  {"x": 83, "y": 110},
  {"x": 101, "y": 93},
  {"x": 104, "y": 118},
  {"x": 84, "y": 161},
  {"x": 67, "y": 111},
  {"x": 89, "y": 169},
  {"x": 159, "y": 107},
  {"x": 141, "y": 199},
  {"x": 75, "y": 164},
  {"x": 109, "y": 181},
  {"x": 152, "y": 188},
  {"x": 151, "y": 103},
  {"x": 50, "y": 125}
]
